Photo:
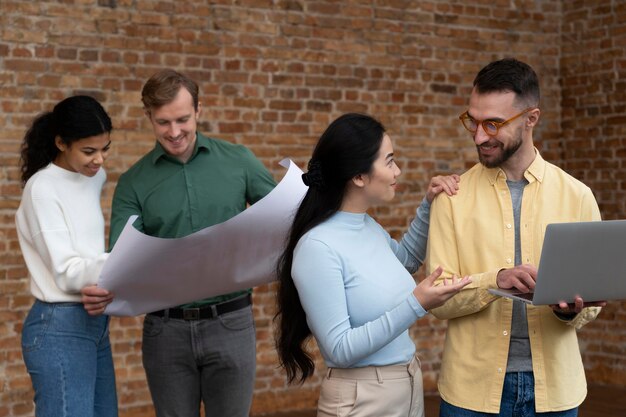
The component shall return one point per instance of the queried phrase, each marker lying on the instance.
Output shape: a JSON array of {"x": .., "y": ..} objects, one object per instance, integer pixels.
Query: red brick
[
  {"x": 22, "y": 53},
  {"x": 273, "y": 74},
  {"x": 24, "y": 65},
  {"x": 67, "y": 53},
  {"x": 88, "y": 55}
]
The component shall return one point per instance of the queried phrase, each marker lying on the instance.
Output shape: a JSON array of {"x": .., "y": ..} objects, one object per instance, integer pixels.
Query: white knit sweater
[{"x": 60, "y": 227}]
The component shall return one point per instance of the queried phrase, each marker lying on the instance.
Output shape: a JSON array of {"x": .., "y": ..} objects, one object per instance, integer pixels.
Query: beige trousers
[{"x": 373, "y": 391}]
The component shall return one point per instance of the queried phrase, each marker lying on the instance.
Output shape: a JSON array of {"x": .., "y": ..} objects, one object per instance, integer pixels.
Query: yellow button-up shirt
[{"x": 473, "y": 233}]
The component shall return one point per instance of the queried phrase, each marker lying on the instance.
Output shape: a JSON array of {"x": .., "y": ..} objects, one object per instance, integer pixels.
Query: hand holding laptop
[
  {"x": 579, "y": 261},
  {"x": 575, "y": 307}
]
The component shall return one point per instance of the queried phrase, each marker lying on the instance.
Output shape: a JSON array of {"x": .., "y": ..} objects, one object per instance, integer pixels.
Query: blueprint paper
[{"x": 148, "y": 273}]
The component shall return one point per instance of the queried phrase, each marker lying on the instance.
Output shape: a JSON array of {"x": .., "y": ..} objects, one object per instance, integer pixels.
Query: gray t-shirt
[{"x": 520, "y": 359}]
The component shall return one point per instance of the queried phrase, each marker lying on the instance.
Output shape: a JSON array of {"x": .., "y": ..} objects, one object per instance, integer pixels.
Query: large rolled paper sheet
[{"x": 148, "y": 273}]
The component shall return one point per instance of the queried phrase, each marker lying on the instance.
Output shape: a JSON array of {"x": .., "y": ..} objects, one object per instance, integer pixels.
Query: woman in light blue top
[{"x": 345, "y": 281}]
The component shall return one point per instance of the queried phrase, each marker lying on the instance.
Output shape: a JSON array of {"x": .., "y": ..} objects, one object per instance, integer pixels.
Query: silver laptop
[{"x": 586, "y": 259}]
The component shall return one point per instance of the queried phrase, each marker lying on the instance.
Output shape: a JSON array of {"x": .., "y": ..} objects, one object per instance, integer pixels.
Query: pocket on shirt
[{"x": 542, "y": 231}]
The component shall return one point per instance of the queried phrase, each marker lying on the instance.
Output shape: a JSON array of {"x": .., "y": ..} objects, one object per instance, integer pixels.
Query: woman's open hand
[{"x": 430, "y": 295}]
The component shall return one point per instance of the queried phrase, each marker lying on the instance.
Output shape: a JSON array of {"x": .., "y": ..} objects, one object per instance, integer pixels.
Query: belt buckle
[{"x": 191, "y": 313}]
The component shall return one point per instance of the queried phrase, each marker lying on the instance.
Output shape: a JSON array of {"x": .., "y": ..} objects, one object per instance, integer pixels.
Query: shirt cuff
[
  {"x": 417, "y": 307},
  {"x": 565, "y": 316}
]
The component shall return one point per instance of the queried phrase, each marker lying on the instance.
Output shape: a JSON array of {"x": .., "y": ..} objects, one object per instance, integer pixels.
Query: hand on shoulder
[{"x": 446, "y": 183}]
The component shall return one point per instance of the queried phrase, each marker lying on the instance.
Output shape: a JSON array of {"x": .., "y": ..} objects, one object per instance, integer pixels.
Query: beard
[{"x": 505, "y": 153}]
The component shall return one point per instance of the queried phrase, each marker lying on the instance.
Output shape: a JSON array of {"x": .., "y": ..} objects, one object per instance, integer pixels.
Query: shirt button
[
  {"x": 500, "y": 370},
  {"x": 508, "y": 226},
  {"x": 505, "y": 332},
  {"x": 508, "y": 261}
]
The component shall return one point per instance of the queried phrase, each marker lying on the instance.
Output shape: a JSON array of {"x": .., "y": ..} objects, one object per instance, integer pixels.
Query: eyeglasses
[{"x": 490, "y": 127}]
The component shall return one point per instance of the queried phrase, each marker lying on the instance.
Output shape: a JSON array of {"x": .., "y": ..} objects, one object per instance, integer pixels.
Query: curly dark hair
[{"x": 72, "y": 119}]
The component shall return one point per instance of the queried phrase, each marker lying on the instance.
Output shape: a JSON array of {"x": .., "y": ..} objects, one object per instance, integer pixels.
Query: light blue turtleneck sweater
[{"x": 354, "y": 286}]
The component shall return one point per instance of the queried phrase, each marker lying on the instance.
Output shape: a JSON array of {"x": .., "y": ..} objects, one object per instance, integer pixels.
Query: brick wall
[
  {"x": 593, "y": 146},
  {"x": 273, "y": 74}
]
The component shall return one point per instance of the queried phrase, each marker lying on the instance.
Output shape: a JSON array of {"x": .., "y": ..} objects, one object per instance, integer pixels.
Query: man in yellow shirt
[{"x": 502, "y": 357}]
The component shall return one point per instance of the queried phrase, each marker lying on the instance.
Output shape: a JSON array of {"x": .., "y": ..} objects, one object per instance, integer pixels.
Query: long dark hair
[
  {"x": 72, "y": 119},
  {"x": 347, "y": 148}
]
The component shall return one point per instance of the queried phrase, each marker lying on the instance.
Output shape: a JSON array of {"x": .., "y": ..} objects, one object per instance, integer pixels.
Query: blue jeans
[
  {"x": 209, "y": 360},
  {"x": 518, "y": 400},
  {"x": 68, "y": 356}
]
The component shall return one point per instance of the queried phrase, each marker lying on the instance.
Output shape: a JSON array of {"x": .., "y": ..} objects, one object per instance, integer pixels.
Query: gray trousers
[{"x": 209, "y": 360}]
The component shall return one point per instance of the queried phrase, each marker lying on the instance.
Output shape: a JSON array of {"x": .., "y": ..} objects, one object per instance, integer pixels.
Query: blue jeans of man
[
  {"x": 518, "y": 400},
  {"x": 68, "y": 356},
  {"x": 209, "y": 360}
]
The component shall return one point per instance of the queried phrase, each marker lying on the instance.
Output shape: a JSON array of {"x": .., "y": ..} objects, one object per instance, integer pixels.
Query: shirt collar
[
  {"x": 202, "y": 142},
  {"x": 535, "y": 172}
]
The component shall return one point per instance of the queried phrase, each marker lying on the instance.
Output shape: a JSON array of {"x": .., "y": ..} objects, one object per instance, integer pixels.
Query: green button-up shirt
[{"x": 174, "y": 199}]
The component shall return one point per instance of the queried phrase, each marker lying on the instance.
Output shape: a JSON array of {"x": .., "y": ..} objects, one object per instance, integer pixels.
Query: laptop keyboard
[{"x": 525, "y": 295}]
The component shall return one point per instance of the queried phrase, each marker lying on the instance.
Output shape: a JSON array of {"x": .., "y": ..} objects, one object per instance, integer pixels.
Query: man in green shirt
[{"x": 205, "y": 350}]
